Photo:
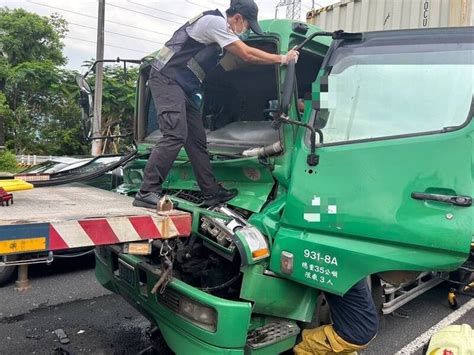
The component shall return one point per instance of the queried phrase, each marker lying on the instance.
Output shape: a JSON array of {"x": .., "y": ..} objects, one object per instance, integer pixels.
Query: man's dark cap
[{"x": 249, "y": 10}]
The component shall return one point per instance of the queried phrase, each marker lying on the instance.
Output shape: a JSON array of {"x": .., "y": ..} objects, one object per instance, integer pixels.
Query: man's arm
[{"x": 256, "y": 56}]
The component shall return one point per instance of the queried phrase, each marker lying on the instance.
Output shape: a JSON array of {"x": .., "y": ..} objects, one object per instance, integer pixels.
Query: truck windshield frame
[{"x": 385, "y": 88}]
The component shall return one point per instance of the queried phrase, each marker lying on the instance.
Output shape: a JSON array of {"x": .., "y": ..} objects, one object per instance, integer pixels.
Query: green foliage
[
  {"x": 28, "y": 37},
  {"x": 118, "y": 99},
  {"x": 39, "y": 98},
  {"x": 8, "y": 162},
  {"x": 44, "y": 115}
]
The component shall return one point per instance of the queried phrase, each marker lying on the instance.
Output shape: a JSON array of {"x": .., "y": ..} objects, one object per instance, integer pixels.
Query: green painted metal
[
  {"x": 378, "y": 226},
  {"x": 368, "y": 221},
  {"x": 253, "y": 180},
  {"x": 230, "y": 314},
  {"x": 268, "y": 221},
  {"x": 277, "y": 296},
  {"x": 182, "y": 343}
]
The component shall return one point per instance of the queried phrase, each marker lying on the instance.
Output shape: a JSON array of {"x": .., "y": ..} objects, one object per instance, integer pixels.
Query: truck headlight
[
  {"x": 204, "y": 317},
  {"x": 255, "y": 241}
]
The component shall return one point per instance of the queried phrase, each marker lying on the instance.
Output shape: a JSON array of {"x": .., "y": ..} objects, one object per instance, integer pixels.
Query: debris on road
[
  {"x": 62, "y": 336},
  {"x": 59, "y": 351}
]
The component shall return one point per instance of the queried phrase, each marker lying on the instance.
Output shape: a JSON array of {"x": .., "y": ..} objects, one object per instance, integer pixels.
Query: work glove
[{"x": 292, "y": 54}]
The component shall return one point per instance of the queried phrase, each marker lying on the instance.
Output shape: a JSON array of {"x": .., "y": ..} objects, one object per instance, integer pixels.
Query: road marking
[{"x": 424, "y": 338}]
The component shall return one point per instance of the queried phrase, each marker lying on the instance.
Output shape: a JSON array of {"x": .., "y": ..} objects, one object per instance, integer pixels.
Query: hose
[
  {"x": 221, "y": 286},
  {"x": 266, "y": 151},
  {"x": 65, "y": 256}
]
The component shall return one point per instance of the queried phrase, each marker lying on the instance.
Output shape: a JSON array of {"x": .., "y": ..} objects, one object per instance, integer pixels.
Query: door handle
[{"x": 463, "y": 201}]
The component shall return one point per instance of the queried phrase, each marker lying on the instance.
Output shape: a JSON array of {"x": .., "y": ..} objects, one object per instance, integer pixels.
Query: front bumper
[{"x": 182, "y": 335}]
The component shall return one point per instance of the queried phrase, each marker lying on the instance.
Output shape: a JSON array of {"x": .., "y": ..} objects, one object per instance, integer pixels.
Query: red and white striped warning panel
[
  {"x": 62, "y": 235},
  {"x": 74, "y": 234},
  {"x": 74, "y": 216}
]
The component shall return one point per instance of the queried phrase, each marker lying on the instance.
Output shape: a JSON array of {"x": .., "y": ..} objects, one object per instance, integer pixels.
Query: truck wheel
[{"x": 6, "y": 272}]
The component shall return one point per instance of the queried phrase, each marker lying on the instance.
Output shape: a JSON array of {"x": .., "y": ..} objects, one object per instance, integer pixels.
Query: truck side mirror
[
  {"x": 85, "y": 100},
  {"x": 288, "y": 87}
]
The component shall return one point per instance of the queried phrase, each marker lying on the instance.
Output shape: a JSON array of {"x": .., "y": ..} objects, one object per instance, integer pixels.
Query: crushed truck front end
[
  {"x": 251, "y": 273},
  {"x": 191, "y": 321},
  {"x": 222, "y": 298}
]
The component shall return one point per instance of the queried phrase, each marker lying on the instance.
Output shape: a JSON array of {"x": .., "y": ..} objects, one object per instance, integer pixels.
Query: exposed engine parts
[
  {"x": 221, "y": 230},
  {"x": 208, "y": 259},
  {"x": 262, "y": 152}
]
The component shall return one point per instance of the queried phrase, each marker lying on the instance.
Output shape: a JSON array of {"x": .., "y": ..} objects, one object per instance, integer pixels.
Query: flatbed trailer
[{"x": 46, "y": 220}]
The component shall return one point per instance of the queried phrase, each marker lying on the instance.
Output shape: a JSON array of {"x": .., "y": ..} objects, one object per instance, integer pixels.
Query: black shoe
[
  {"x": 147, "y": 199},
  {"x": 222, "y": 195}
]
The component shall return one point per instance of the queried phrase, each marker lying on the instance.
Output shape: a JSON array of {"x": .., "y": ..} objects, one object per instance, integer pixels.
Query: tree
[
  {"x": 28, "y": 37},
  {"x": 8, "y": 162},
  {"x": 41, "y": 97},
  {"x": 118, "y": 102}
]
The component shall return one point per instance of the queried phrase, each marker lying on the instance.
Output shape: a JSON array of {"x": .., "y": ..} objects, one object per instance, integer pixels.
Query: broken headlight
[
  {"x": 256, "y": 243},
  {"x": 202, "y": 316}
]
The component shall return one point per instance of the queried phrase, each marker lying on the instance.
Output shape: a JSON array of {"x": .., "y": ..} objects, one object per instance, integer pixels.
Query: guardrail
[{"x": 27, "y": 160}]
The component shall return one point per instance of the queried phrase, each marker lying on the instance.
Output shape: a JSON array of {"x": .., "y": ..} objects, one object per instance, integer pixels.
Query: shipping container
[{"x": 377, "y": 15}]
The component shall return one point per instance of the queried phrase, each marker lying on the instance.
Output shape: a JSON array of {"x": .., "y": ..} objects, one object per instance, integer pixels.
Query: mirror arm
[
  {"x": 339, "y": 34},
  {"x": 313, "y": 159},
  {"x": 116, "y": 60},
  {"x": 316, "y": 34}
]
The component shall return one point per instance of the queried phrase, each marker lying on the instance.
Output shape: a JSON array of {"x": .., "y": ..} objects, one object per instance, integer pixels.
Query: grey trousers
[{"x": 181, "y": 124}]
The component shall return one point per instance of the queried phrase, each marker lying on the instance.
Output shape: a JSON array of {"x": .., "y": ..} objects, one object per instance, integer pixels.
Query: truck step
[
  {"x": 271, "y": 333},
  {"x": 468, "y": 266}
]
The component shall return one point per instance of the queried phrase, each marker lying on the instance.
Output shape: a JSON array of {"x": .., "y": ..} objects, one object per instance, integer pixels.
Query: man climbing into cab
[{"x": 175, "y": 83}]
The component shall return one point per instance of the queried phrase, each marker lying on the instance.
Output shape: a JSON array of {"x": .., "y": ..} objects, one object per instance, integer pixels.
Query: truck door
[{"x": 393, "y": 187}]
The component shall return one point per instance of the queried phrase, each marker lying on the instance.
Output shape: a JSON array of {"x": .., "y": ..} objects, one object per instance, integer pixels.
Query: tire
[{"x": 6, "y": 272}]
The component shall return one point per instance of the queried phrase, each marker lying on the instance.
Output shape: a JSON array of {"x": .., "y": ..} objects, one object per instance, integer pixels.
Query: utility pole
[
  {"x": 99, "y": 75},
  {"x": 293, "y": 9},
  {"x": 2, "y": 87}
]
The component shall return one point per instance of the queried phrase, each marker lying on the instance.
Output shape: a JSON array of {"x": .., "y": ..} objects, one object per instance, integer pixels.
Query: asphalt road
[{"x": 67, "y": 296}]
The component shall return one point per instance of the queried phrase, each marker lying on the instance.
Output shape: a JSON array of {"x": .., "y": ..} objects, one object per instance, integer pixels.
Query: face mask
[{"x": 244, "y": 35}]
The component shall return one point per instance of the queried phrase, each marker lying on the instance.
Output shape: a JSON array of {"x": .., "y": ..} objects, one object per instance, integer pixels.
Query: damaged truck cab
[{"x": 387, "y": 195}]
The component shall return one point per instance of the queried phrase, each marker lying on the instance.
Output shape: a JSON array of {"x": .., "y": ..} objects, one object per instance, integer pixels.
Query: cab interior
[{"x": 235, "y": 94}]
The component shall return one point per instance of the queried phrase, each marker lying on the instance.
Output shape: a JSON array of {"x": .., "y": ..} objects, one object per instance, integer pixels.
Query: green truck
[{"x": 355, "y": 162}]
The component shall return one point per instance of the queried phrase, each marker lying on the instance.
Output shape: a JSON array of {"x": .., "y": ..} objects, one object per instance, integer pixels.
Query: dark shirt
[{"x": 354, "y": 315}]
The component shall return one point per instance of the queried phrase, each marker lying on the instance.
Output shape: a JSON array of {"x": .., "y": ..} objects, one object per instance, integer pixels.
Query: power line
[
  {"x": 196, "y": 4},
  {"x": 107, "y": 45},
  {"x": 94, "y": 17},
  {"x": 153, "y": 8},
  {"x": 143, "y": 13},
  {"x": 115, "y": 33}
]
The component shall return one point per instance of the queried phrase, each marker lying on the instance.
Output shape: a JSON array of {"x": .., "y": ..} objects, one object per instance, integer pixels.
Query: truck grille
[{"x": 169, "y": 298}]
